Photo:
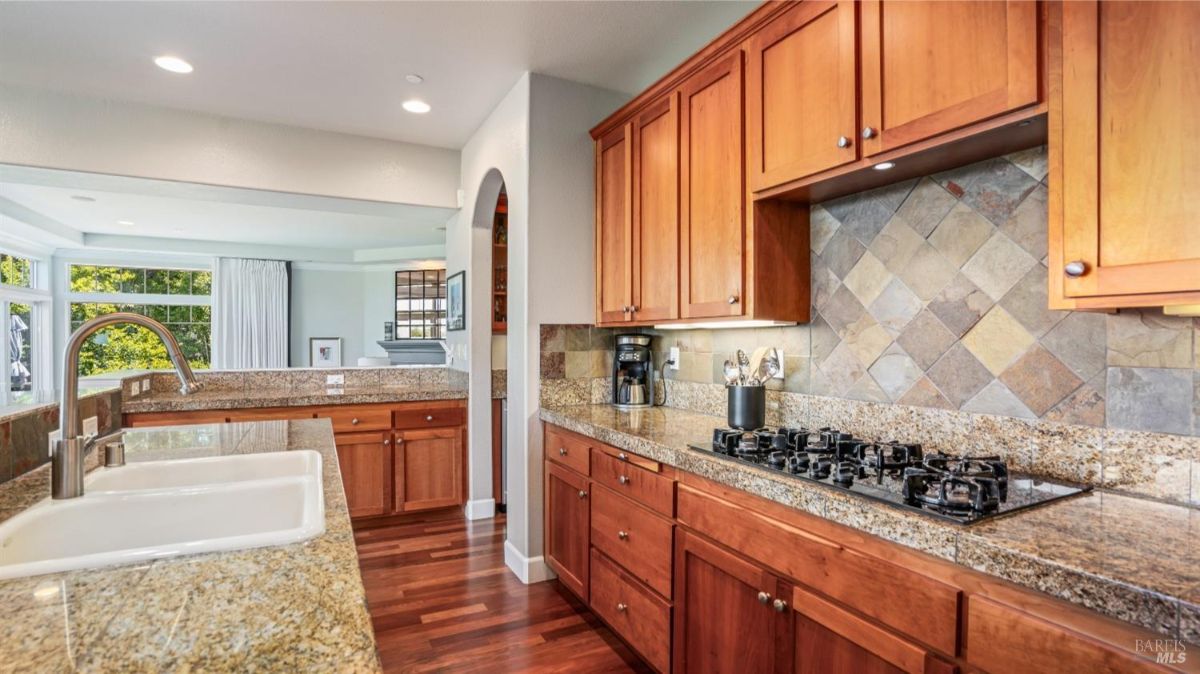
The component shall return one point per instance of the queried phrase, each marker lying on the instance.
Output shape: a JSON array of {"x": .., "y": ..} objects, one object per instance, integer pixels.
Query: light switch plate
[
  {"x": 335, "y": 380},
  {"x": 134, "y": 388},
  {"x": 91, "y": 426},
  {"x": 674, "y": 358}
]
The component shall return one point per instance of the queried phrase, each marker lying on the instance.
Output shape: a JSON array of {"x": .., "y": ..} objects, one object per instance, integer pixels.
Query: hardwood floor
[{"x": 441, "y": 599}]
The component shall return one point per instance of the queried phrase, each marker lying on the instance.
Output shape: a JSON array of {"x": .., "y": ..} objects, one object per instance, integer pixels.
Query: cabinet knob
[
  {"x": 429, "y": 418},
  {"x": 582, "y": 494},
  {"x": 354, "y": 421},
  {"x": 633, "y": 308},
  {"x": 623, "y": 456},
  {"x": 764, "y": 598},
  {"x": 623, "y": 535},
  {"x": 625, "y": 309},
  {"x": 733, "y": 299},
  {"x": 621, "y": 606},
  {"x": 562, "y": 451},
  {"x": 624, "y": 479},
  {"x": 779, "y": 605},
  {"x": 843, "y": 142},
  {"x": 386, "y": 443},
  {"x": 868, "y": 132},
  {"x": 1076, "y": 268}
]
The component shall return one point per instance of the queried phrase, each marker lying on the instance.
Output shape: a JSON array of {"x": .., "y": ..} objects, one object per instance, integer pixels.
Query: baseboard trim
[
  {"x": 528, "y": 569},
  {"x": 480, "y": 509}
]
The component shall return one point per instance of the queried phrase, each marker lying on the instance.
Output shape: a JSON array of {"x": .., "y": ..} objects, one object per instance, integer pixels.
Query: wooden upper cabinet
[
  {"x": 1126, "y": 228},
  {"x": 801, "y": 93},
  {"x": 567, "y": 522},
  {"x": 713, "y": 192},
  {"x": 725, "y": 617},
  {"x": 614, "y": 226},
  {"x": 656, "y": 211},
  {"x": 933, "y": 66},
  {"x": 429, "y": 469}
]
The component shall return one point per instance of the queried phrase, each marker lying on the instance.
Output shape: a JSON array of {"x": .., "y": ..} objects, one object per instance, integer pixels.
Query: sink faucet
[{"x": 66, "y": 476}]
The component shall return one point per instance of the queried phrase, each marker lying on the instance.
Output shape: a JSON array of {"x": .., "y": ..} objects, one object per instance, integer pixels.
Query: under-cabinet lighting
[
  {"x": 1182, "y": 310},
  {"x": 884, "y": 165},
  {"x": 173, "y": 64},
  {"x": 717, "y": 325}
]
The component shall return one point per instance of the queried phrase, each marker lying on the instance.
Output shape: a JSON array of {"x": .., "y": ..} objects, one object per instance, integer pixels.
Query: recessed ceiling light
[
  {"x": 173, "y": 64},
  {"x": 413, "y": 78},
  {"x": 415, "y": 106},
  {"x": 127, "y": 223},
  {"x": 82, "y": 197},
  {"x": 884, "y": 165}
]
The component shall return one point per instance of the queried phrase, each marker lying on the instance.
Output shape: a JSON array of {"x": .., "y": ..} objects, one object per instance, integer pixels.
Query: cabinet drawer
[
  {"x": 568, "y": 450},
  {"x": 877, "y": 588},
  {"x": 1005, "y": 640},
  {"x": 636, "y": 614},
  {"x": 634, "y": 537},
  {"x": 352, "y": 418},
  {"x": 429, "y": 418},
  {"x": 652, "y": 490}
]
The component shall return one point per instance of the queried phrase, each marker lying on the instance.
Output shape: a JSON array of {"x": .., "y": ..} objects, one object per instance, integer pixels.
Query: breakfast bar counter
[{"x": 288, "y": 608}]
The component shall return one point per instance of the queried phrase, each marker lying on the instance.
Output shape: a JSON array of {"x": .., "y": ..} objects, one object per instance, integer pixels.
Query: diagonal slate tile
[
  {"x": 960, "y": 234},
  {"x": 960, "y": 305},
  {"x": 1027, "y": 302},
  {"x": 821, "y": 226},
  {"x": 1027, "y": 225},
  {"x": 925, "y": 339},
  {"x": 866, "y": 339},
  {"x": 896, "y": 244},
  {"x": 927, "y": 272},
  {"x": 1085, "y": 406},
  {"x": 864, "y": 214},
  {"x": 895, "y": 372},
  {"x": 868, "y": 278},
  {"x": 895, "y": 306},
  {"x": 997, "y": 340},
  {"x": 824, "y": 281},
  {"x": 841, "y": 369},
  {"x": 821, "y": 337},
  {"x": 1040, "y": 380},
  {"x": 959, "y": 375},
  {"x": 1033, "y": 161},
  {"x": 842, "y": 252},
  {"x": 925, "y": 394},
  {"x": 995, "y": 398},
  {"x": 842, "y": 310},
  {"x": 1147, "y": 338},
  {"x": 926, "y": 205},
  {"x": 998, "y": 265},
  {"x": 998, "y": 189},
  {"x": 867, "y": 389},
  {"x": 1079, "y": 341}
]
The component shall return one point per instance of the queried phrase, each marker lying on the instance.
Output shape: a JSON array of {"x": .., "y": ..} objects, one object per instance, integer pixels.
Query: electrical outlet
[
  {"x": 145, "y": 385},
  {"x": 674, "y": 358},
  {"x": 55, "y": 436},
  {"x": 91, "y": 426},
  {"x": 335, "y": 380},
  {"x": 134, "y": 388}
]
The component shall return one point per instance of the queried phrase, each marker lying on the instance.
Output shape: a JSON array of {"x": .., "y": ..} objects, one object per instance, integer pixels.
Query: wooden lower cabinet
[
  {"x": 638, "y": 615},
  {"x": 568, "y": 512},
  {"x": 366, "y": 461},
  {"x": 428, "y": 469}
]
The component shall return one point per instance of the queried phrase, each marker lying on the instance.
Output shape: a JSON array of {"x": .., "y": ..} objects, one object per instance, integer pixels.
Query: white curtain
[{"x": 250, "y": 314}]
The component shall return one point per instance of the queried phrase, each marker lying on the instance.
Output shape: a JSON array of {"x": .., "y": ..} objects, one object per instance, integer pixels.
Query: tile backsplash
[
  {"x": 25, "y": 435},
  {"x": 931, "y": 293}
]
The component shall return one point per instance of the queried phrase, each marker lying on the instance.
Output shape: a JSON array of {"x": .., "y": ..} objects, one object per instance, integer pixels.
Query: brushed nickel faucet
[{"x": 66, "y": 475}]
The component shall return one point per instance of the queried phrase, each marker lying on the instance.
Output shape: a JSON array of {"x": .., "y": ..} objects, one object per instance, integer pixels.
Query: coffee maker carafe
[{"x": 633, "y": 372}]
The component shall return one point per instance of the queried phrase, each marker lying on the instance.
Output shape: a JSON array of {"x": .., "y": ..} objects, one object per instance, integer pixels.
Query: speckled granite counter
[
  {"x": 287, "y": 608},
  {"x": 269, "y": 397},
  {"x": 1133, "y": 559}
]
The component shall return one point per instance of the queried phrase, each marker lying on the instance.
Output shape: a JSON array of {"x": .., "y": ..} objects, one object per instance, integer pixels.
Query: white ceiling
[
  {"x": 340, "y": 66},
  {"x": 171, "y": 210}
]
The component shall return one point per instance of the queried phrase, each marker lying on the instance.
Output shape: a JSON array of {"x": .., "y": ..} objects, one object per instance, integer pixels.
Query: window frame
[
  {"x": 439, "y": 307},
  {"x": 41, "y": 334}
]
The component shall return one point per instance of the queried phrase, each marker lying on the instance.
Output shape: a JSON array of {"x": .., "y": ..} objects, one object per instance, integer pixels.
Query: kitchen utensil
[
  {"x": 743, "y": 366},
  {"x": 732, "y": 375}
]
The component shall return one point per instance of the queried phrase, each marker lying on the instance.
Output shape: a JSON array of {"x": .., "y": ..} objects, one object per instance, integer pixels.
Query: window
[
  {"x": 177, "y": 298},
  {"x": 25, "y": 372},
  {"x": 421, "y": 304}
]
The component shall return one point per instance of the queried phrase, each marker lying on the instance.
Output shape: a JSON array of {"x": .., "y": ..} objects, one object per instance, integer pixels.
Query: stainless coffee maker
[{"x": 633, "y": 372}]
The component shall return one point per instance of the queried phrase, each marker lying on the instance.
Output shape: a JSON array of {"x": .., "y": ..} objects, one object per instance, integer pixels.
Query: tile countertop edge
[
  {"x": 1158, "y": 609},
  {"x": 295, "y": 607}
]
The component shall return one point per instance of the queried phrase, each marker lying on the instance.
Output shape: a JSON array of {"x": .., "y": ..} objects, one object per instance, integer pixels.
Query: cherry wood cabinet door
[
  {"x": 829, "y": 638},
  {"x": 428, "y": 469},
  {"x": 713, "y": 192},
  {"x": 365, "y": 461},
  {"x": 725, "y": 618},
  {"x": 1130, "y": 91},
  {"x": 656, "y": 211},
  {"x": 933, "y": 66},
  {"x": 568, "y": 520},
  {"x": 614, "y": 226},
  {"x": 801, "y": 93}
]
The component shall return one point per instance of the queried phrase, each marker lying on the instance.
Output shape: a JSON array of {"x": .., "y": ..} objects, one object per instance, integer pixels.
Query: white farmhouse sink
[
  {"x": 282, "y": 503},
  {"x": 208, "y": 470}
]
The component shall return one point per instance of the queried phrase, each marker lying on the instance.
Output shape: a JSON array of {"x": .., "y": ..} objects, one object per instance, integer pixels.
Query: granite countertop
[
  {"x": 206, "y": 399},
  {"x": 15, "y": 410},
  {"x": 1130, "y": 558},
  {"x": 298, "y": 607}
]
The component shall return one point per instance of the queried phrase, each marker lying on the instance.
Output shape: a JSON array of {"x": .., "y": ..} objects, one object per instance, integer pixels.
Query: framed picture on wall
[
  {"x": 456, "y": 302},
  {"x": 325, "y": 351}
]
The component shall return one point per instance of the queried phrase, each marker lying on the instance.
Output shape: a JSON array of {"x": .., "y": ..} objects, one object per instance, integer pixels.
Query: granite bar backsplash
[
  {"x": 930, "y": 323},
  {"x": 25, "y": 435}
]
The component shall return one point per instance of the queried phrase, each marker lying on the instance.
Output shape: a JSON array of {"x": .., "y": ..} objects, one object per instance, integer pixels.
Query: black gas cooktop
[{"x": 958, "y": 489}]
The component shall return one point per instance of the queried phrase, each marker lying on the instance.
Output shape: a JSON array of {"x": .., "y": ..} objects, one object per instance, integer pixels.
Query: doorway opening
[{"x": 499, "y": 345}]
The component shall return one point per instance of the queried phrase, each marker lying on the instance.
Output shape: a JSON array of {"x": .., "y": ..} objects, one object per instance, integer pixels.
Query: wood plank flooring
[{"x": 441, "y": 600}]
